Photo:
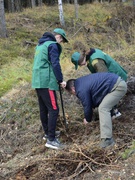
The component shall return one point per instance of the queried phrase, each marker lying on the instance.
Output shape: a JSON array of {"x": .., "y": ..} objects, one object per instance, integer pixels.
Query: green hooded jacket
[
  {"x": 42, "y": 73},
  {"x": 111, "y": 64}
]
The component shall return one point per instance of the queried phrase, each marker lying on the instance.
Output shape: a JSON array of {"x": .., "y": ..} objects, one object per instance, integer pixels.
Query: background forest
[
  {"x": 18, "y": 5},
  {"x": 108, "y": 26}
]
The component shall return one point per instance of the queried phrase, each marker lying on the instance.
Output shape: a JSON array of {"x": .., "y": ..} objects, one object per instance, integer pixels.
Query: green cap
[
  {"x": 61, "y": 32},
  {"x": 75, "y": 58}
]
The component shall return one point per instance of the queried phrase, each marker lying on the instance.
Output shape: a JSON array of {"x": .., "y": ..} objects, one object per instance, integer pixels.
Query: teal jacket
[
  {"x": 42, "y": 74},
  {"x": 111, "y": 64}
]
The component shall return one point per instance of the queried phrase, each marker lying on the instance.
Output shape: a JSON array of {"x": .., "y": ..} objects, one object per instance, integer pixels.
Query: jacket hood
[{"x": 47, "y": 36}]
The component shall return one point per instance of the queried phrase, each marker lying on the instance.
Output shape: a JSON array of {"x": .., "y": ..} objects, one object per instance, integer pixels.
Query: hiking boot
[
  {"x": 57, "y": 134},
  {"x": 115, "y": 113},
  {"x": 105, "y": 142},
  {"x": 55, "y": 144}
]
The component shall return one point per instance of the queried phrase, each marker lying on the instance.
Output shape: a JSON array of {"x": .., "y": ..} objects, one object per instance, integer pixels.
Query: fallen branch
[
  {"x": 30, "y": 43},
  {"x": 77, "y": 31},
  {"x": 132, "y": 135},
  {"x": 70, "y": 160},
  {"x": 80, "y": 160},
  {"x": 76, "y": 174},
  {"x": 92, "y": 160}
]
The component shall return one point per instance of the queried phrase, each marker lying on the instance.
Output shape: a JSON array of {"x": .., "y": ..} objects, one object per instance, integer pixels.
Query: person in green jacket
[
  {"x": 98, "y": 61},
  {"x": 47, "y": 78}
]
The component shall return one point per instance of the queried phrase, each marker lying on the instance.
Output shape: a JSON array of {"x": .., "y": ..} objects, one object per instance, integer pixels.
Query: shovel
[{"x": 62, "y": 106}]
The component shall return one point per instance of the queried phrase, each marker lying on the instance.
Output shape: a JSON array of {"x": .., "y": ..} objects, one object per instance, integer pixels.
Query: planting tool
[{"x": 62, "y": 106}]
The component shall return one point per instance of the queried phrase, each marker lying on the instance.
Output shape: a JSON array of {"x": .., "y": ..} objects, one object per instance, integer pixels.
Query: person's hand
[
  {"x": 63, "y": 84},
  {"x": 84, "y": 121}
]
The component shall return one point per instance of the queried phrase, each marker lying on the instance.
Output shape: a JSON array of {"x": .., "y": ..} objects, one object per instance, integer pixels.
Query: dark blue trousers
[{"x": 49, "y": 111}]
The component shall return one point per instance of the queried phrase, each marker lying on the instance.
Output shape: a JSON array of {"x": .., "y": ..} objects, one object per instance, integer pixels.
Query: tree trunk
[
  {"x": 11, "y": 6},
  {"x": 133, "y": 2},
  {"x": 18, "y": 6},
  {"x": 33, "y": 3},
  {"x": 62, "y": 22},
  {"x": 76, "y": 8},
  {"x": 14, "y": 5},
  {"x": 40, "y": 2},
  {"x": 3, "y": 32},
  {"x": 29, "y": 3}
]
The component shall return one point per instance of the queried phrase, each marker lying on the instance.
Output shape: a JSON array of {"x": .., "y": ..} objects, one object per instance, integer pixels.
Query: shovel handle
[{"x": 64, "y": 117}]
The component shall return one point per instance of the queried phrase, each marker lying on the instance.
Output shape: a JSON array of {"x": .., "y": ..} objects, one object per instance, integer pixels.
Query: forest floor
[{"x": 24, "y": 156}]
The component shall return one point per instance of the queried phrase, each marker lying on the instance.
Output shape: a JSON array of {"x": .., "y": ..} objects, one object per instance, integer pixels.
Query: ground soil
[{"x": 24, "y": 156}]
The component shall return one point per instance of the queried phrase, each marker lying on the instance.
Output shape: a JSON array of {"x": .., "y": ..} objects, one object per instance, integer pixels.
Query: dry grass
[
  {"x": 97, "y": 26},
  {"x": 23, "y": 154}
]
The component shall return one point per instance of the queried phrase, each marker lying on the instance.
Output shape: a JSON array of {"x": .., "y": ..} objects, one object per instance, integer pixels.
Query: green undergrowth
[
  {"x": 128, "y": 152},
  {"x": 96, "y": 27},
  {"x": 22, "y": 108},
  {"x": 13, "y": 73}
]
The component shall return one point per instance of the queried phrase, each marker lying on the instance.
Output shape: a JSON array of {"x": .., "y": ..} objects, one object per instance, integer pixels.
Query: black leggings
[{"x": 49, "y": 111}]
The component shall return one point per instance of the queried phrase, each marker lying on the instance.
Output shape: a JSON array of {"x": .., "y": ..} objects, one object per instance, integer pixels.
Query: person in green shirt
[
  {"x": 47, "y": 77},
  {"x": 98, "y": 61}
]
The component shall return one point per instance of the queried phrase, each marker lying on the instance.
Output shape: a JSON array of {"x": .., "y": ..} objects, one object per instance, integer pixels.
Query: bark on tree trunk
[
  {"x": 3, "y": 32},
  {"x": 76, "y": 8},
  {"x": 18, "y": 7},
  {"x": 40, "y": 2},
  {"x": 11, "y": 6},
  {"x": 33, "y": 3},
  {"x": 62, "y": 22},
  {"x": 133, "y": 2}
]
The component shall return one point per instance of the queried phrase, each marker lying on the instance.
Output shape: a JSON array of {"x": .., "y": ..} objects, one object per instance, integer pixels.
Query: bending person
[
  {"x": 102, "y": 90},
  {"x": 98, "y": 61}
]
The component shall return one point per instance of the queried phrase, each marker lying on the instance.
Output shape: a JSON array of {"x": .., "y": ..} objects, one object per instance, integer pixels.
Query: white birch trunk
[
  {"x": 62, "y": 22},
  {"x": 33, "y": 3},
  {"x": 76, "y": 8},
  {"x": 3, "y": 32}
]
